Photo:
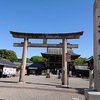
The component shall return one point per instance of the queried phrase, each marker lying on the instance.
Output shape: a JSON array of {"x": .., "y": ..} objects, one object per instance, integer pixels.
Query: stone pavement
[{"x": 42, "y": 88}]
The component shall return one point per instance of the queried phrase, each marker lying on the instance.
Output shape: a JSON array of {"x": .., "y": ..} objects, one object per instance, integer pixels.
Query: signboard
[{"x": 9, "y": 71}]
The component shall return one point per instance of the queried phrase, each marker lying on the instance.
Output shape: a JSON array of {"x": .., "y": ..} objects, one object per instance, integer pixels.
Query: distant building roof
[
  {"x": 6, "y": 62},
  {"x": 37, "y": 65},
  {"x": 90, "y": 59},
  {"x": 58, "y": 51},
  {"x": 19, "y": 63}
]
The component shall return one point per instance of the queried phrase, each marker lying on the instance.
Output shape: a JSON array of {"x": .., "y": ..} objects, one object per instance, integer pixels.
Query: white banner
[{"x": 9, "y": 71}]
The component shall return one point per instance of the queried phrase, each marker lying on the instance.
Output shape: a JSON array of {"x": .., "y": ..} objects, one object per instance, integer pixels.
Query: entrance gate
[{"x": 45, "y": 36}]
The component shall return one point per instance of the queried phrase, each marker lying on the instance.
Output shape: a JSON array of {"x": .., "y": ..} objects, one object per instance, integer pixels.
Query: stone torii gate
[{"x": 45, "y": 36}]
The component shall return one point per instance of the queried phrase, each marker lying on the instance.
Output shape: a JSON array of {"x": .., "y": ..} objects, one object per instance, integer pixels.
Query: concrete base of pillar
[
  {"x": 65, "y": 86},
  {"x": 21, "y": 82},
  {"x": 91, "y": 94}
]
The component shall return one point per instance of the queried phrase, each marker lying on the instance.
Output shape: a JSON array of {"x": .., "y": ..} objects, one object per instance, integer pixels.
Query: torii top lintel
[{"x": 73, "y": 35}]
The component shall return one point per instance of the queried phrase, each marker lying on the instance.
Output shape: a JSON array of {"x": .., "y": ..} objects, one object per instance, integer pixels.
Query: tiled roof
[
  {"x": 90, "y": 59},
  {"x": 6, "y": 62},
  {"x": 37, "y": 65},
  {"x": 58, "y": 51}
]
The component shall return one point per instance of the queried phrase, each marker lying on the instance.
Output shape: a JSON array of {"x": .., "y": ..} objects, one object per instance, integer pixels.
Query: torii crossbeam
[{"x": 45, "y": 45}]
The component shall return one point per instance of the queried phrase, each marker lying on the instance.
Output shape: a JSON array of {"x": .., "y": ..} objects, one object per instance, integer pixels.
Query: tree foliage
[
  {"x": 37, "y": 59},
  {"x": 8, "y": 54},
  {"x": 80, "y": 61},
  {"x": 28, "y": 60}
]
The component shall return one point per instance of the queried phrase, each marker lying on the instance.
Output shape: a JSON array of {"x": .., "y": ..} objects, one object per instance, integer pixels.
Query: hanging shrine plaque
[{"x": 68, "y": 57}]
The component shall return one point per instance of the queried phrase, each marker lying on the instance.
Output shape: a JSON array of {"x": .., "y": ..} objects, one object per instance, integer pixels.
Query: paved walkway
[{"x": 42, "y": 88}]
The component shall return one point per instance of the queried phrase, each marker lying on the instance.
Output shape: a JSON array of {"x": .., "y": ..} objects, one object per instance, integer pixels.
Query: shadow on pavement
[
  {"x": 70, "y": 89},
  {"x": 78, "y": 90},
  {"x": 41, "y": 84},
  {"x": 7, "y": 82},
  {"x": 62, "y": 89}
]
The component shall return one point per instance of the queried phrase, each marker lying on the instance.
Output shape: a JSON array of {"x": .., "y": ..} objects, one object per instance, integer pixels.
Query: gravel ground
[{"x": 42, "y": 88}]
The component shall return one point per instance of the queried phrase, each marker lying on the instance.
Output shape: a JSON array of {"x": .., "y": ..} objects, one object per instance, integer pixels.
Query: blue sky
[{"x": 47, "y": 16}]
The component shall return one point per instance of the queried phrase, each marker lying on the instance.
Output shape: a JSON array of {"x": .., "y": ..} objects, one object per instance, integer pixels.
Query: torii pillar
[
  {"x": 23, "y": 64},
  {"x": 64, "y": 63}
]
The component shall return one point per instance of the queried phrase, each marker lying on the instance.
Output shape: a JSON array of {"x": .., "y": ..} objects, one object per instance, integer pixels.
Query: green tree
[
  {"x": 8, "y": 54},
  {"x": 28, "y": 60},
  {"x": 19, "y": 59},
  {"x": 37, "y": 59},
  {"x": 80, "y": 61}
]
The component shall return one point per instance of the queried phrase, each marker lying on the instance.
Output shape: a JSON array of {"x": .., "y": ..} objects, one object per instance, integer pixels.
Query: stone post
[
  {"x": 64, "y": 63},
  {"x": 48, "y": 73},
  {"x": 94, "y": 94},
  {"x": 97, "y": 45},
  {"x": 23, "y": 64}
]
